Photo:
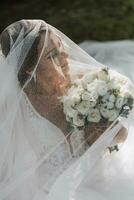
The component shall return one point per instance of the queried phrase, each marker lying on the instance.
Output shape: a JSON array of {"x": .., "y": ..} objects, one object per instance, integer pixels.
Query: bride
[{"x": 37, "y": 65}]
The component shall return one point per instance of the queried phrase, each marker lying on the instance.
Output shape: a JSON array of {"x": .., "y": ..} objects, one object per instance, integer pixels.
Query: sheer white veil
[
  {"x": 24, "y": 156},
  {"x": 22, "y": 147},
  {"x": 96, "y": 175}
]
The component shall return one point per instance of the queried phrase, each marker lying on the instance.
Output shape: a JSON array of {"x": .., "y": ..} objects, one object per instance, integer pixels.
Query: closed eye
[{"x": 52, "y": 54}]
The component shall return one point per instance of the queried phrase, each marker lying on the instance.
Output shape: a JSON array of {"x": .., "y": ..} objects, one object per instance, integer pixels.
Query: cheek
[
  {"x": 45, "y": 82},
  {"x": 45, "y": 78},
  {"x": 50, "y": 75},
  {"x": 65, "y": 69},
  {"x": 46, "y": 67},
  {"x": 42, "y": 79}
]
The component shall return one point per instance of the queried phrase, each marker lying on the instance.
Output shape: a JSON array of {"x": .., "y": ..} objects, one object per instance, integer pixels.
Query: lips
[
  {"x": 61, "y": 82},
  {"x": 61, "y": 85},
  {"x": 65, "y": 64}
]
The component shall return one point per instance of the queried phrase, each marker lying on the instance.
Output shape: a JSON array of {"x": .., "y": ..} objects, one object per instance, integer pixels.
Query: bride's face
[{"x": 53, "y": 70}]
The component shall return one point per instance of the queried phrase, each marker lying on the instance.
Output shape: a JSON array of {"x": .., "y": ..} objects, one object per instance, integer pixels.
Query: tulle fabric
[
  {"x": 36, "y": 161},
  {"x": 34, "y": 152},
  {"x": 100, "y": 175},
  {"x": 116, "y": 54}
]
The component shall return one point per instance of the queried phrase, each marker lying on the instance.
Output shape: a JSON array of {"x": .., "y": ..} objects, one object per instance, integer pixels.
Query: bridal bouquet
[{"x": 102, "y": 95}]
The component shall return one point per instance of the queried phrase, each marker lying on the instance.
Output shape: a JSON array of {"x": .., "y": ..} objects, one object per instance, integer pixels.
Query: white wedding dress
[
  {"x": 34, "y": 151},
  {"x": 57, "y": 161},
  {"x": 36, "y": 162},
  {"x": 110, "y": 176}
]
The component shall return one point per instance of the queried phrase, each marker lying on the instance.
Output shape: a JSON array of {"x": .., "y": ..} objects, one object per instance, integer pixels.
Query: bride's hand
[
  {"x": 121, "y": 135},
  {"x": 93, "y": 133}
]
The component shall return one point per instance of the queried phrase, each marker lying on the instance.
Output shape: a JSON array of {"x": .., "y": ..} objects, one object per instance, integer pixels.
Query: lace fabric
[
  {"x": 35, "y": 154},
  {"x": 62, "y": 157}
]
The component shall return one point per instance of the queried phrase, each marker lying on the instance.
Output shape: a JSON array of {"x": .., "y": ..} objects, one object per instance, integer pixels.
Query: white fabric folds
[{"x": 36, "y": 162}]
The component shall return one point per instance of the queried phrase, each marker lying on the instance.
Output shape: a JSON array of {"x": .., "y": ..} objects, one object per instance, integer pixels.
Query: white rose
[
  {"x": 68, "y": 108},
  {"x": 78, "y": 121},
  {"x": 104, "y": 112},
  {"x": 105, "y": 98},
  {"x": 109, "y": 98},
  {"x": 125, "y": 82},
  {"x": 112, "y": 115},
  {"x": 72, "y": 112},
  {"x": 103, "y": 74},
  {"x": 68, "y": 102},
  {"x": 72, "y": 90},
  {"x": 76, "y": 98},
  {"x": 88, "y": 78},
  {"x": 108, "y": 105},
  {"x": 95, "y": 95},
  {"x": 91, "y": 86},
  {"x": 92, "y": 103},
  {"x": 77, "y": 82},
  {"x": 94, "y": 115},
  {"x": 86, "y": 96},
  {"x": 80, "y": 89},
  {"x": 112, "y": 98},
  {"x": 126, "y": 93},
  {"x": 113, "y": 84},
  {"x": 102, "y": 90},
  {"x": 83, "y": 107},
  {"x": 120, "y": 102},
  {"x": 68, "y": 118},
  {"x": 122, "y": 79},
  {"x": 99, "y": 86},
  {"x": 90, "y": 96},
  {"x": 116, "y": 76}
]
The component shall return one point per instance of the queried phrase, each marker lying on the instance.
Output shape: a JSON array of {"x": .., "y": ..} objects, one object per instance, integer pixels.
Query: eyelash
[{"x": 52, "y": 54}]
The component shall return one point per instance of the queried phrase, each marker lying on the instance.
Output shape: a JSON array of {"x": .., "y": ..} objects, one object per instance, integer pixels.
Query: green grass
[{"x": 79, "y": 19}]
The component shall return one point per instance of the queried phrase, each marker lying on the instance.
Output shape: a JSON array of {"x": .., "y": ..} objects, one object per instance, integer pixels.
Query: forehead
[{"x": 52, "y": 41}]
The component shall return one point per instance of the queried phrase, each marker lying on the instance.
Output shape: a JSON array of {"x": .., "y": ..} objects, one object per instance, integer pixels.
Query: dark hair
[{"x": 32, "y": 55}]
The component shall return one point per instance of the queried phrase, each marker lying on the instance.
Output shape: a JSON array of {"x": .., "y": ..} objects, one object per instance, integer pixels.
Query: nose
[
  {"x": 63, "y": 58},
  {"x": 58, "y": 74}
]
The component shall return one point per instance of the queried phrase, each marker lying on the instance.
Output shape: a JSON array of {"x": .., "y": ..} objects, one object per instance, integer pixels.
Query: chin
[
  {"x": 60, "y": 90},
  {"x": 68, "y": 80},
  {"x": 49, "y": 90}
]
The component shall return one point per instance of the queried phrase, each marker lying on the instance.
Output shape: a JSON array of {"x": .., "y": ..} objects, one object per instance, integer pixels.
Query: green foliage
[{"x": 79, "y": 19}]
